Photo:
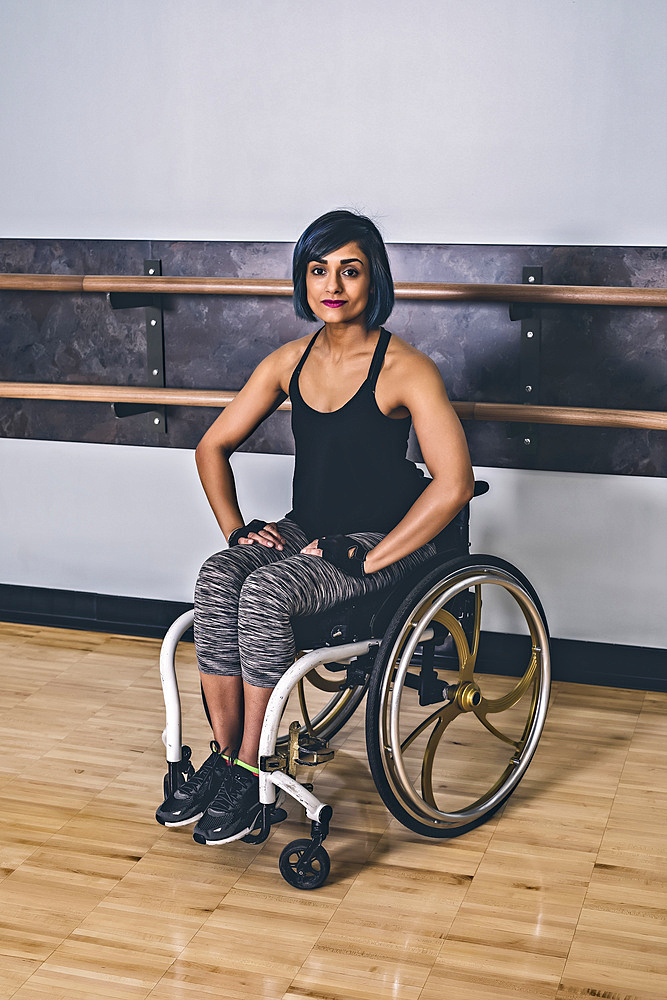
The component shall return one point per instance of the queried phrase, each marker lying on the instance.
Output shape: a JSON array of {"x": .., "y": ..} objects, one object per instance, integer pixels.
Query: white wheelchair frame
[
  {"x": 269, "y": 781},
  {"x": 383, "y": 663}
]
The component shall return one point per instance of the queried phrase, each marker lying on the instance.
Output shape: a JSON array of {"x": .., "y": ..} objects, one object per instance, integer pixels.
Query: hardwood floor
[{"x": 562, "y": 896}]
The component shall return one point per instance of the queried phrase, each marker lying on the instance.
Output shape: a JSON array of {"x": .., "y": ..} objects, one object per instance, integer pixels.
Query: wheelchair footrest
[
  {"x": 313, "y": 750},
  {"x": 304, "y": 750}
]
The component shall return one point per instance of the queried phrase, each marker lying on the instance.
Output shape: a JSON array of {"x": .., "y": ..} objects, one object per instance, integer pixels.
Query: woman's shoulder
[
  {"x": 408, "y": 376},
  {"x": 285, "y": 358}
]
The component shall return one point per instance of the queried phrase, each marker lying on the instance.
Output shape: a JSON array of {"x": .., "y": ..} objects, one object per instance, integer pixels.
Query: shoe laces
[
  {"x": 231, "y": 792},
  {"x": 202, "y": 773}
]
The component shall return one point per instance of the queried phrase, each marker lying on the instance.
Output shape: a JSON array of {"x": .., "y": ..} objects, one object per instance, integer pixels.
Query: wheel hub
[{"x": 468, "y": 696}]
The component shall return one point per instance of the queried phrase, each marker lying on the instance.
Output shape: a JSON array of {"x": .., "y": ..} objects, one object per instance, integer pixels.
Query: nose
[{"x": 334, "y": 282}]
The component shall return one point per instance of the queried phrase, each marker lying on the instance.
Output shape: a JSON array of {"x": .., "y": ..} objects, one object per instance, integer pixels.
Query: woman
[{"x": 362, "y": 514}]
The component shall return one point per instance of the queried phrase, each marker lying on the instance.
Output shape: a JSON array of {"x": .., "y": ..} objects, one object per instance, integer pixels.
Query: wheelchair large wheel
[{"x": 449, "y": 735}]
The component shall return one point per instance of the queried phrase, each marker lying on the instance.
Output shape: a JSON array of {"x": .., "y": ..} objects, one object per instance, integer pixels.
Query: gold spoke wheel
[{"x": 445, "y": 766}]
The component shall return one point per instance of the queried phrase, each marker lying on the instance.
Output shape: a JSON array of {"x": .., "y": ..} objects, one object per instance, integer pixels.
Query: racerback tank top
[{"x": 351, "y": 473}]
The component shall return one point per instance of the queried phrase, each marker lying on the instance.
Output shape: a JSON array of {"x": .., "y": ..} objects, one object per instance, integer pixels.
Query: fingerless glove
[
  {"x": 244, "y": 532},
  {"x": 345, "y": 553}
]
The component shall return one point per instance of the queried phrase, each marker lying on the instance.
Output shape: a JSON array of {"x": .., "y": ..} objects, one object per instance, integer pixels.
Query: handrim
[{"x": 430, "y": 607}]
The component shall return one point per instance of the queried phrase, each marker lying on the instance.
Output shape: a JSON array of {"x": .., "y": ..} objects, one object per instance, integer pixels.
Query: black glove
[
  {"x": 345, "y": 553},
  {"x": 244, "y": 532}
]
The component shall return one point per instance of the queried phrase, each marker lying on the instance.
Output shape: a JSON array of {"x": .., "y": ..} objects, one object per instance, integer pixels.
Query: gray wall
[{"x": 590, "y": 356}]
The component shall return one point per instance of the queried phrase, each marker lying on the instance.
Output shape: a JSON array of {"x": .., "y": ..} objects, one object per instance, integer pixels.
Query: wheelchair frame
[{"x": 437, "y": 611}]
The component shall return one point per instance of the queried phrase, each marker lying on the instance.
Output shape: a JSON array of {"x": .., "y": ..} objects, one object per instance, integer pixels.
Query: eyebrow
[{"x": 347, "y": 260}]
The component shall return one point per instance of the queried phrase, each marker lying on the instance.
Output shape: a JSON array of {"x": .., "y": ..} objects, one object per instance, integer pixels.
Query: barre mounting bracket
[
  {"x": 154, "y": 345},
  {"x": 529, "y": 359}
]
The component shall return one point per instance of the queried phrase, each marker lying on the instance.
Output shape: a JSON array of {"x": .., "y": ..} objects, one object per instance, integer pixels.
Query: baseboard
[
  {"x": 639, "y": 667},
  {"x": 92, "y": 612}
]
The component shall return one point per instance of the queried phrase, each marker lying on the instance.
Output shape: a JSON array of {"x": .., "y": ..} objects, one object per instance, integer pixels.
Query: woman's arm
[
  {"x": 445, "y": 452},
  {"x": 259, "y": 397}
]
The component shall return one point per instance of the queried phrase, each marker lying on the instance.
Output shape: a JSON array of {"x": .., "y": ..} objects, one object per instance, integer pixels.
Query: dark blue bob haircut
[{"x": 330, "y": 232}]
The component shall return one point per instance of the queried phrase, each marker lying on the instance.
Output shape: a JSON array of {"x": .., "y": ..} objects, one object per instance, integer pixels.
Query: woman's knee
[
  {"x": 221, "y": 569},
  {"x": 260, "y": 588}
]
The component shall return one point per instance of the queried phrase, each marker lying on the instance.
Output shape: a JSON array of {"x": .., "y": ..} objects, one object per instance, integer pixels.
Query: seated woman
[{"x": 363, "y": 515}]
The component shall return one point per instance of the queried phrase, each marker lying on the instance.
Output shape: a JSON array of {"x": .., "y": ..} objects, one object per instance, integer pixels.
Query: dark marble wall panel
[{"x": 592, "y": 356}]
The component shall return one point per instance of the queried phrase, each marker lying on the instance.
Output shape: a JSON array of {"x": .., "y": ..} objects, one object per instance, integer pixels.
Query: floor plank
[{"x": 560, "y": 896}]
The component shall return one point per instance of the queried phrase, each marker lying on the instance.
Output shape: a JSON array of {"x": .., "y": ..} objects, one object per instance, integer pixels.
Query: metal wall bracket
[
  {"x": 529, "y": 359},
  {"x": 154, "y": 344}
]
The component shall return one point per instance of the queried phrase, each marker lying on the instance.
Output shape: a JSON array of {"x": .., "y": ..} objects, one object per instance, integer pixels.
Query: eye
[
  {"x": 318, "y": 270},
  {"x": 350, "y": 272}
]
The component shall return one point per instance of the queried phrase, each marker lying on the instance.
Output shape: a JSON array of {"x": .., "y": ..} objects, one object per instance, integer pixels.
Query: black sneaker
[
  {"x": 189, "y": 802},
  {"x": 234, "y": 810}
]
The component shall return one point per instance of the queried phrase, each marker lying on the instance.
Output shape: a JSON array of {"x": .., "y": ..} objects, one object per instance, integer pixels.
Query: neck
[{"x": 342, "y": 339}]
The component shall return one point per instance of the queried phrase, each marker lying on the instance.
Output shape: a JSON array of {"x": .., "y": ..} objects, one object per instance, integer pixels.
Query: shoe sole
[
  {"x": 242, "y": 833},
  {"x": 182, "y": 822},
  {"x": 227, "y": 840}
]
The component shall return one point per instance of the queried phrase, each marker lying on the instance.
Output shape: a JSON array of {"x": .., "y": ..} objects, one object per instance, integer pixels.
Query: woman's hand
[
  {"x": 257, "y": 533},
  {"x": 312, "y": 548},
  {"x": 341, "y": 551}
]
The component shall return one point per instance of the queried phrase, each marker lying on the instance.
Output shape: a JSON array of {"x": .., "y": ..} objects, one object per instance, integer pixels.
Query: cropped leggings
[{"x": 247, "y": 595}]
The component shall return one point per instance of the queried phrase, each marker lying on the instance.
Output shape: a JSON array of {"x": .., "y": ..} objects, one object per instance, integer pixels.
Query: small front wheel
[{"x": 310, "y": 875}]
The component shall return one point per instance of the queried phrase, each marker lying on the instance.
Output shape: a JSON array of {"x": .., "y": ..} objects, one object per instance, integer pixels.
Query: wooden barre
[
  {"x": 598, "y": 295},
  {"x": 218, "y": 398}
]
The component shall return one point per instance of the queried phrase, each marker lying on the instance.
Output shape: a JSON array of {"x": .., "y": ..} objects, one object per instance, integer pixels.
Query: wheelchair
[{"x": 454, "y": 709}]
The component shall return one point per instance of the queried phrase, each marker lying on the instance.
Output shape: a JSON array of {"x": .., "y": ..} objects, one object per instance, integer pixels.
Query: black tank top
[{"x": 351, "y": 473}]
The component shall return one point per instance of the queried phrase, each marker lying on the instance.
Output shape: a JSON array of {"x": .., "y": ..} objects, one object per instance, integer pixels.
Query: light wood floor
[{"x": 562, "y": 896}]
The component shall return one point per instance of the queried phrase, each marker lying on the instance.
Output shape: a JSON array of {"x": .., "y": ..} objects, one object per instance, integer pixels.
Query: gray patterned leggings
[{"x": 246, "y": 595}]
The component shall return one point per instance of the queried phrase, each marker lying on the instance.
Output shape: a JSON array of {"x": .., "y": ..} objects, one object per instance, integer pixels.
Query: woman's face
[{"x": 338, "y": 285}]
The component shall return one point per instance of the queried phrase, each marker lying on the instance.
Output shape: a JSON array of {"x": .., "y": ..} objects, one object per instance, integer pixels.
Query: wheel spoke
[
  {"x": 493, "y": 706},
  {"x": 323, "y": 683},
  {"x": 304, "y": 708},
  {"x": 480, "y": 712},
  {"x": 467, "y": 657},
  {"x": 447, "y": 715},
  {"x": 510, "y": 699},
  {"x": 444, "y": 714}
]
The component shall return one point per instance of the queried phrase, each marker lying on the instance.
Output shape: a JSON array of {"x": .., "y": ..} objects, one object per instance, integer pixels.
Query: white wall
[
  {"x": 134, "y": 521},
  {"x": 486, "y": 121},
  {"x": 490, "y": 121}
]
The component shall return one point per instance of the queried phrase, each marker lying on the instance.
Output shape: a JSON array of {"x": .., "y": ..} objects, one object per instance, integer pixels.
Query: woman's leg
[
  {"x": 224, "y": 700},
  {"x": 255, "y": 701},
  {"x": 275, "y": 594},
  {"x": 216, "y": 628},
  {"x": 270, "y": 597}
]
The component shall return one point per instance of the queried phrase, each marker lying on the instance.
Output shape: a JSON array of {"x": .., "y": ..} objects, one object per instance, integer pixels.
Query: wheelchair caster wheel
[{"x": 311, "y": 875}]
